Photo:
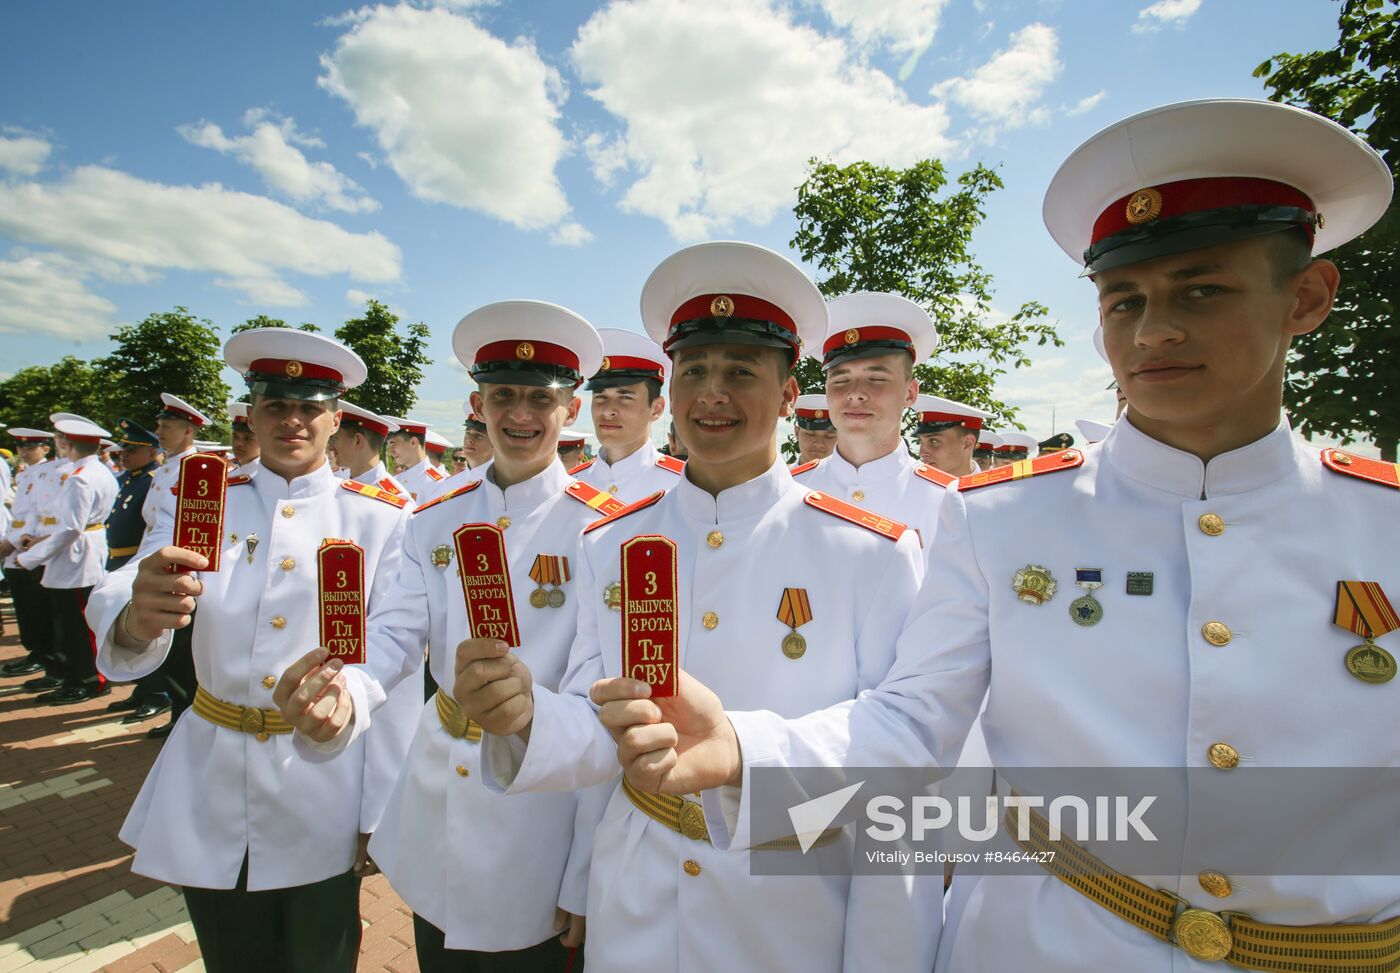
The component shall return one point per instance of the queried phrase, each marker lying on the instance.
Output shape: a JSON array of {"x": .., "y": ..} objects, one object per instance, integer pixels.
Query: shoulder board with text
[
  {"x": 605, "y": 503},
  {"x": 373, "y": 492},
  {"x": 387, "y": 485},
  {"x": 468, "y": 488},
  {"x": 629, "y": 508},
  {"x": 1362, "y": 467},
  {"x": 1065, "y": 459},
  {"x": 883, "y": 526},
  {"x": 804, "y": 467},
  {"x": 433, "y": 473},
  {"x": 239, "y": 480},
  {"x": 934, "y": 475},
  {"x": 670, "y": 463},
  {"x": 582, "y": 466}
]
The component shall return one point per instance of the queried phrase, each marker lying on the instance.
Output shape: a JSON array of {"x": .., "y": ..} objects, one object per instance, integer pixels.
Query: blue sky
[{"x": 293, "y": 158}]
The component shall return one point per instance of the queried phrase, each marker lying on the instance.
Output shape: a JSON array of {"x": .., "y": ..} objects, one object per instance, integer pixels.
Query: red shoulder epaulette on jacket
[
  {"x": 435, "y": 474},
  {"x": 605, "y": 503},
  {"x": 626, "y": 509},
  {"x": 387, "y": 485},
  {"x": 804, "y": 467},
  {"x": 467, "y": 488},
  {"x": 1065, "y": 459},
  {"x": 676, "y": 466},
  {"x": 236, "y": 480},
  {"x": 1363, "y": 468},
  {"x": 883, "y": 526},
  {"x": 373, "y": 492},
  {"x": 934, "y": 475},
  {"x": 582, "y": 466}
]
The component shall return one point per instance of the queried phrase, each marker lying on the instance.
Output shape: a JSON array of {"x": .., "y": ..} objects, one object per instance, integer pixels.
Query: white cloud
[
  {"x": 129, "y": 226},
  {"x": 356, "y": 297},
  {"x": 1005, "y": 89},
  {"x": 904, "y": 26},
  {"x": 1163, "y": 13},
  {"x": 1086, "y": 104},
  {"x": 463, "y": 117},
  {"x": 271, "y": 148},
  {"x": 46, "y": 294},
  {"x": 722, "y": 104},
  {"x": 266, "y": 292},
  {"x": 570, "y": 235},
  {"x": 22, "y": 153}
]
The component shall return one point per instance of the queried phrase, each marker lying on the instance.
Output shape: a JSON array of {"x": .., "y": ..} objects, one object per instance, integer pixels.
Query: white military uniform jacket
[
  {"x": 1278, "y": 692},
  {"x": 649, "y": 907},
  {"x": 896, "y": 485},
  {"x": 215, "y": 792},
  {"x": 452, "y": 482},
  {"x": 488, "y": 872},
  {"x": 31, "y": 485},
  {"x": 73, "y": 551},
  {"x": 633, "y": 477},
  {"x": 378, "y": 475},
  {"x": 159, "y": 497},
  {"x": 6, "y": 497},
  {"x": 421, "y": 480}
]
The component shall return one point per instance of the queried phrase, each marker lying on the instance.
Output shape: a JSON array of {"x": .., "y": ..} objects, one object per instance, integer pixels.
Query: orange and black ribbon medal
[
  {"x": 794, "y": 611},
  {"x": 650, "y": 613},
  {"x": 481, "y": 564},
  {"x": 1363, "y": 609},
  {"x": 199, "y": 506},
  {"x": 340, "y": 573},
  {"x": 553, "y": 570}
]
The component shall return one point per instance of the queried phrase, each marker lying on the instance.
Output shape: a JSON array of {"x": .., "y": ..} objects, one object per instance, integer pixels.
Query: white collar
[
  {"x": 629, "y": 465},
  {"x": 741, "y": 502},
  {"x": 1142, "y": 458},
  {"x": 529, "y": 494},
  {"x": 319, "y": 480},
  {"x": 876, "y": 471}
]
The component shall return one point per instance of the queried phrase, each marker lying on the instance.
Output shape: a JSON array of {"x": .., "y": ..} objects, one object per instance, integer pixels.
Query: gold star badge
[
  {"x": 607, "y": 364},
  {"x": 294, "y": 369},
  {"x": 852, "y": 336},
  {"x": 1144, "y": 206},
  {"x": 722, "y": 307}
]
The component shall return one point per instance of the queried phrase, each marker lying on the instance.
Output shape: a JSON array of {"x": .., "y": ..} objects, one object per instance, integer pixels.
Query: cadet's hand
[
  {"x": 673, "y": 745},
  {"x": 573, "y": 927},
  {"x": 161, "y": 599},
  {"x": 364, "y": 865},
  {"x": 313, "y": 697},
  {"x": 6, "y": 549},
  {"x": 494, "y": 687},
  {"x": 26, "y": 541}
]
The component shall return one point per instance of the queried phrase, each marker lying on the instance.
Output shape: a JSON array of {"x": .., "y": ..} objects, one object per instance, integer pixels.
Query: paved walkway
[{"x": 68, "y": 900}]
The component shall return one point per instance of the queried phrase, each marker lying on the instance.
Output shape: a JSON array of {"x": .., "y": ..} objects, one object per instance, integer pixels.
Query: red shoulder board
[
  {"x": 626, "y": 509},
  {"x": 468, "y": 488},
  {"x": 1374, "y": 470},
  {"x": 676, "y": 466},
  {"x": 798, "y": 470},
  {"x": 582, "y": 466},
  {"x": 433, "y": 473},
  {"x": 239, "y": 480},
  {"x": 934, "y": 475},
  {"x": 883, "y": 526},
  {"x": 373, "y": 492},
  {"x": 387, "y": 485},
  {"x": 605, "y": 503},
  {"x": 1065, "y": 459}
]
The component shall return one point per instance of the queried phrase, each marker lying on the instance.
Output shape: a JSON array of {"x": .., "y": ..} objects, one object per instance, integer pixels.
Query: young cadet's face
[
  {"x": 1198, "y": 339},
  {"x": 523, "y": 421},
  {"x": 868, "y": 396},
  {"x": 245, "y": 445},
  {"x": 477, "y": 447},
  {"x": 292, "y": 434},
  {"x": 815, "y": 444},
  {"x": 33, "y": 453},
  {"x": 622, "y": 415},
  {"x": 172, "y": 434},
  {"x": 727, "y": 400},
  {"x": 948, "y": 449}
]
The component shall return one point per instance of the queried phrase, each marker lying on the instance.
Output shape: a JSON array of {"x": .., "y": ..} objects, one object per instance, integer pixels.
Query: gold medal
[
  {"x": 1086, "y": 611},
  {"x": 794, "y": 645},
  {"x": 612, "y": 596},
  {"x": 1371, "y": 663},
  {"x": 556, "y": 599},
  {"x": 794, "y": 611},
  {"x": 1363, "y": 609},
  {"x": 538, "y": 598},
  {"x": 1034, "y": 584},
  {"x": 548, "y": 570}
]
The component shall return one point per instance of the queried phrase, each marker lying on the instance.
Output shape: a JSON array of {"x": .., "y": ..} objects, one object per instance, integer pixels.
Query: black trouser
[
  {"x": 176, "y": 674},
  {"x": 307, "y": 928},
  {"x": 74, "y": 642},
  {"x": 33, "y": 613},
  {"x": 548, "y": 957}
]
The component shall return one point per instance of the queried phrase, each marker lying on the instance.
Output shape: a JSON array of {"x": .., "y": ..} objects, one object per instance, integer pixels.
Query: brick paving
[{"x": 68, "y": 899}]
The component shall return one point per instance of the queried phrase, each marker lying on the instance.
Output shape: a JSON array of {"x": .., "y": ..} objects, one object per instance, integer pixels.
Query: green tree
[
  {"x": 170, "y": 351},
  {"x": 31, "y": 395},
  {"x": 263, "y": 321},
  {"x": 1342, "y": 378},
  {"x": 875, "y": 228},
  {"x": 395, "y": 360}
]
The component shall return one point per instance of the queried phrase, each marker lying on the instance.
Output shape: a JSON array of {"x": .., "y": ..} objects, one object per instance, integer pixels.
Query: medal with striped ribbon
[
  {"x": 1363, "y": 609},
  {"x": 794, "y": 611}
]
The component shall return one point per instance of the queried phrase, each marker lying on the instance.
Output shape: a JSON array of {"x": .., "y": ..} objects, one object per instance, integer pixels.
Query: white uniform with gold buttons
[
  {"x": 656, "y": 898},
  {"x": 159, "y": 498},
  {"x": 633, "y": 477},
  {"x": 890, "y": 485},
  {"x": 73, "y": 551},
  {"x": 32, "y": 485},
  {"x": 421, "y": 481}
]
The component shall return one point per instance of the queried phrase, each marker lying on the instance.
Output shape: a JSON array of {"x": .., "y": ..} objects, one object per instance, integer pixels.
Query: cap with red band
[
  {"x": 79, "y": 430},
  {"x": 174, "y": 407},
  {"x": 629, "y": 358},
  {"x": 356, "y": 416},
  {"x": 812, "y": 413},
  {"x": 527, "y": 343},
  {"x": 1017, "y": 445},
  {"x": 435, "y": 443},
  {"x": 867, "y": 323},
  {"x": 1203, "y": 173},
  {"x": 238, "y": 414},
  {"x": 22, "y": 434},
  {"x": 987, "y": 442},
  {"x": 934, "y": 414},
  {"x": 284, "y": 363}
]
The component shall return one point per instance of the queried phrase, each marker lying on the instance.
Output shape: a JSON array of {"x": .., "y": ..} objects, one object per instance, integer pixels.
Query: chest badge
[
  {"x": 1034, "y": 584},
  {"x": 1086, "y": 610},
  {"x": 251, "y": 542},
  {"x": 794, "y": 611},
  {"x": 442, "y": 556},
  {"x": 1363, "y": 609},
  {"x": 612, "y": 596},
  {"x": 548, "y": 572}
]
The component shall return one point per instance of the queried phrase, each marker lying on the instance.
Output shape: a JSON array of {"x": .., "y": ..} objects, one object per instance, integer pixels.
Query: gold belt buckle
[
  {"x": 252, "y": 720},
  {"x": 1202, "y": 934}
]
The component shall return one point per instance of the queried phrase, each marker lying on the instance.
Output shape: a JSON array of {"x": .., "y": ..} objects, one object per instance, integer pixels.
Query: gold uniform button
[
  {"x": 714, "y": 538},
  {"x": 1216, "y": 633},
  {"x": 462, "y": 771},
  {"x": 289, "y": 511},
  {"x": 1223, "y": 756},
  {"x": 279, "y": 622},
  {"x": 1211, "y": 525},
  {"x": 858, "y": 495},
  {"x": 1215, "y": 883},
  {"x": 692, "y": 867},
  {"x": 613, "y": 488},
  {"x": 503, "y": 522},
  {"x": 288, "y": 564},
  {"x": 709, "y": 619},
  {"x": 269, "y": 681}
]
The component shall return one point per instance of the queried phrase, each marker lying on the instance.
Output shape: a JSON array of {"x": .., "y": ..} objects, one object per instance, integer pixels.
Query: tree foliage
[
  {"x": 31, "y": 395},
  {"x": 395, "y": 361},
  {"x": 263, "y": 321},
  {"x": 905, "y": 231},
  {"x": 1343, "y": 380},
  {"x": 170, "y": 351}
]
